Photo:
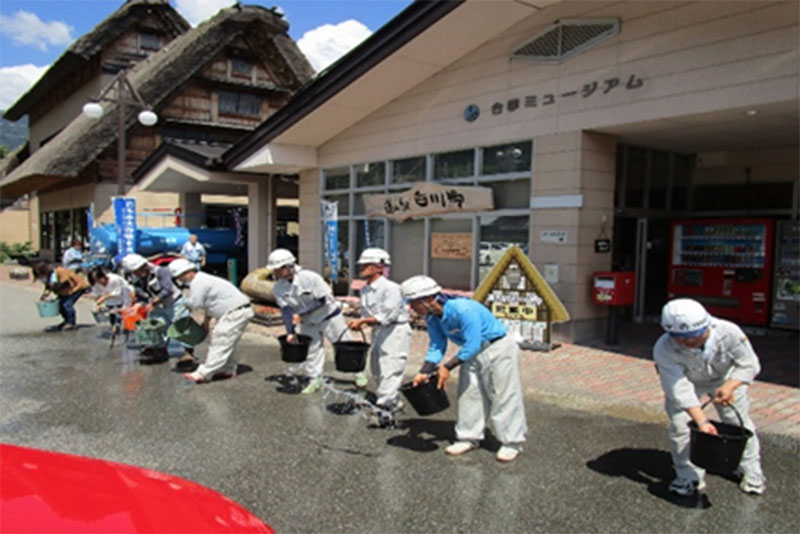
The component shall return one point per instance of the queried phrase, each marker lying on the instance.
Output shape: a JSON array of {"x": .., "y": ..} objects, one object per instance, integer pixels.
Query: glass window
[
  {"x": 46, "y": 220},
  {"x": 338, "y": 178},
  {"x": 497, "y": 234},
  {"x": 659, "y": 179},
  {"x": 80, "y": 224},
  {"x": 239, "y": 103},
  {"x": 635, "y": 178},
  {"x": 509, "y": 194},
  {"x": 500, "y": 159},
  {"x": 241, "y": 67},
  {"x": 63, "y": 232},
  {"x": 681, "y": 178},
  {"x": 408, "y": 170},
  {"x": 369, "y": 233},
  {"x": 370, "y": 174},
  {"x": 454, "y": 164},
  {"x": 344, "y": 203},
  {"x": 149, "y": 41},
  {"x": 407, "y": 249},
  {"x": 451, "y": 273}
]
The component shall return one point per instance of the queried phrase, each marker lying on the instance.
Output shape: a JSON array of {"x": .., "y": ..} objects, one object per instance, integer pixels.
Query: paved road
[{"x": 303, "y": 468}]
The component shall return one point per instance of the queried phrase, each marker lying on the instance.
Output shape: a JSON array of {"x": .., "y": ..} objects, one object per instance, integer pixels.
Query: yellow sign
[
  {"x": 451, "y": 246},
  {"x": 521, "y": 299}
]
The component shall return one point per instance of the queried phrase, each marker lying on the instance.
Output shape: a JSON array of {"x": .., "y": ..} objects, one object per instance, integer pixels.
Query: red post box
[{"x": 613, "y": 288}]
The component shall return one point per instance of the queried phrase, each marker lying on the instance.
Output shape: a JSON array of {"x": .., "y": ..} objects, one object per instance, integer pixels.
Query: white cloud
[
  {"x": 25, "y": 28},
  {"x": 196, "y": 11},
  {"x": 327, "y": 43},
  {"x": 17, "y": 80}
]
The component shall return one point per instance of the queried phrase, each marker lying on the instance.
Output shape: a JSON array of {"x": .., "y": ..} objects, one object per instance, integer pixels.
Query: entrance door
[{"x": 652, "y": 268}]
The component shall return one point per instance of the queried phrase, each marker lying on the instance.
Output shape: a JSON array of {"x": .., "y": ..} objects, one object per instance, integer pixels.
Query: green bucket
[
  {"x": 187, "y": 331},
  {"x": 150, "y": 332},
  {"x": 47, "y": 308}
]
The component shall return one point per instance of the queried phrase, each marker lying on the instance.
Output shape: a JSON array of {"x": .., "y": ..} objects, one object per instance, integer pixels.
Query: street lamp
[{"x": 94, "y": 110}]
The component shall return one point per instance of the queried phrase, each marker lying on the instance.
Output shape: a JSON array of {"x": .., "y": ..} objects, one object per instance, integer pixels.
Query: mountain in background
[{"x": 13, "y": 134}]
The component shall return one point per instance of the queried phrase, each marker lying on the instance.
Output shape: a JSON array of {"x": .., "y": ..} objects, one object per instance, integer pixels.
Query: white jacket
[{"x": 726, "y": 354}]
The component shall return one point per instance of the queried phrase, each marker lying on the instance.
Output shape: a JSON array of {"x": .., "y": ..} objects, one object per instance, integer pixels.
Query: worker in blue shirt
[{"x": 490, "y": 370}]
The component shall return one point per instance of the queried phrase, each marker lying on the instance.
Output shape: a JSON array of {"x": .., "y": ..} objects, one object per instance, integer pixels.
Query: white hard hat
[
  {"x": 375, "y": 255},
  {"x": 419, "y": 286},
  {"x": 280, "y": 257},
  {"x": 133, "y": 262},
  {"x": 684, "y": 318},
  {"x": 180, "y": 266}
]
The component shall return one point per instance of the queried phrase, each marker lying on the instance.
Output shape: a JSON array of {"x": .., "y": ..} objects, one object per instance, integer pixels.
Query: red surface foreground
[{"x": 42, "y": 491}]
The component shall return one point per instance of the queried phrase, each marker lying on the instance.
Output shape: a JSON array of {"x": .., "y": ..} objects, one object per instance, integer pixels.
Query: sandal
[{"x": 194, "y": 377}]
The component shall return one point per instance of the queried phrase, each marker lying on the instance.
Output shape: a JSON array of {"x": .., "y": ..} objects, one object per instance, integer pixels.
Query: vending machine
[
  {"x": 786, "y": 292},
  {"x": 726, "y": 264}
]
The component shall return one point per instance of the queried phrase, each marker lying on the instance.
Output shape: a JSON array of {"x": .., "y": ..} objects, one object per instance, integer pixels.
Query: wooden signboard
[{"x": 451, "y": 246}]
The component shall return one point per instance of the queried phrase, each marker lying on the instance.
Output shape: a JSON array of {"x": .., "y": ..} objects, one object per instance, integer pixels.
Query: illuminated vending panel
[
  {"x": 786, "y": 289},
  {"x": 726, "y": 264}
]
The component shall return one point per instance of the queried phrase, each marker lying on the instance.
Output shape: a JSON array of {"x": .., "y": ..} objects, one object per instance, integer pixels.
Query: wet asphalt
[{"x": 302, "y": 467}]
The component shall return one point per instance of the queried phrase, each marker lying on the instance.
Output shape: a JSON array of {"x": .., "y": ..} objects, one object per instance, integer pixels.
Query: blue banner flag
[
  {"x": 330, "y": 214},
  {"x": 125, "y": 219}
]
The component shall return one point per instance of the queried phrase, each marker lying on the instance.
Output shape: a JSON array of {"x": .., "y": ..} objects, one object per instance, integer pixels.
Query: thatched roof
[
  {"x": 157, "y": 78},
  {"x": 85, "y": 48}
]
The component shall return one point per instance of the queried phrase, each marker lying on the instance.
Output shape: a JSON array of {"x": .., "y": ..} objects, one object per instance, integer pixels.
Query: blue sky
[{"x": 33, "y": 33}]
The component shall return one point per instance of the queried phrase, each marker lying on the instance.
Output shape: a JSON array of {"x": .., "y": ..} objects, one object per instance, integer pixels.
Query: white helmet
[
  {"x": 180, "y": 266},
  {"x": 419, "y": 286},
  {"x": 133, "y": 262},
  {"x": 375, "y": 255},
  {"x": 280, "y": 257},
  {"x": 684, "y": 318}
]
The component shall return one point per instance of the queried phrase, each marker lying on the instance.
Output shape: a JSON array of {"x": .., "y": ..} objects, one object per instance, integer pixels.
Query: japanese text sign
[
  {"x": 428, "y": 199},
  {"x": 125, "y": 219}
]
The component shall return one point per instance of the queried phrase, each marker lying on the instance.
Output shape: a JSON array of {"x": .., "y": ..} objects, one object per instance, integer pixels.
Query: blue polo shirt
[{"x": 465, "y": 322}]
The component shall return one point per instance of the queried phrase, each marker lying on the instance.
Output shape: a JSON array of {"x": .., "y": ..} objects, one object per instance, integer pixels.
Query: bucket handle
[
  {"x": 338, "y": 339},
  {"x": 738, "y": 415}
]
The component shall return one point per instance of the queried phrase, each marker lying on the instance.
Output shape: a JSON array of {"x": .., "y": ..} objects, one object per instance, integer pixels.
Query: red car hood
[{"x": 42, "y": 491}]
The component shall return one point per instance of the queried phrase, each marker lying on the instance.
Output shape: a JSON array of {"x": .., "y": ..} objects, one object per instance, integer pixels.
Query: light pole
[{"x": 95, "y": 110}]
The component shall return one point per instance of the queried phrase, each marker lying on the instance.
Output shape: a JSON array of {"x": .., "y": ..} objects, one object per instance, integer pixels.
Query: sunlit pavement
[{"x": 589, "y": 464}]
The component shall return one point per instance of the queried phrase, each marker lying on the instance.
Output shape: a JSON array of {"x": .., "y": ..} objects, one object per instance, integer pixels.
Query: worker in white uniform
[
  {"x": 305, "y": 300},
  {"x": 111, "y": 292},
  {"x": 698, "y": 355},
  {"x": 164, "y": 300},
  {"x": 194, "y": 251},
  {"x": 383, "y": 308},
  {"x": 223, "y": 302},
  {"x": 73, "y": 257},
  {"x": 489, "y": 384}
]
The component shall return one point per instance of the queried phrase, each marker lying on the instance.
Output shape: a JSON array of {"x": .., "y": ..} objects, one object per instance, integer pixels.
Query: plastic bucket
[
  {"x": 47, "y": 308},
  {"x": 131, "y": 316},
  {"x": 722, "y": 453},
  {"x": 426, "y": 398},
  {"x": 187, "y": 331},
  {"x": 294, "y": 352},
  {"x": 150, "y": 332},
  {"x": 351, "y": 356}
]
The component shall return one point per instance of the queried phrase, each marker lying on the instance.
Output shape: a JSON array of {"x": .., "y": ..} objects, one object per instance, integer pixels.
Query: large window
[
  {"x": 239, "y": 103},
  {"x": 505, "y": 169}
]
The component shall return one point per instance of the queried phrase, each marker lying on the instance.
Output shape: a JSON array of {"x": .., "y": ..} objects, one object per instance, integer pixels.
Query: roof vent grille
[{"x": 566, "y": 38}]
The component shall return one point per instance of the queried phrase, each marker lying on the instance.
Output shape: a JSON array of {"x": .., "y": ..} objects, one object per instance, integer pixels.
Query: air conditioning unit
[{"x": 712, "y": 159}]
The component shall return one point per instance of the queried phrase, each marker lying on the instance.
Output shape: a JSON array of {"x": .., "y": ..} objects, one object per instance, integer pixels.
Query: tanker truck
[{"x": 161, "y": 245}]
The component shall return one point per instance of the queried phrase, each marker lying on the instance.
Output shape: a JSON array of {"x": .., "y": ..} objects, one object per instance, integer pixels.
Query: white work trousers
[
  {"x": 679, "y": 435},
  {"x": 489, "y": 383},
  {"x": 332, "y": 329},
  {"x": 224, "y": 337},
  {"x": 388, "y": 356}
]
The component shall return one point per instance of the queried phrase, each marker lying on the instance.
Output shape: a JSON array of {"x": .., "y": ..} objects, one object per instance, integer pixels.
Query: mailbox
[{"x": 613, "y": 288}]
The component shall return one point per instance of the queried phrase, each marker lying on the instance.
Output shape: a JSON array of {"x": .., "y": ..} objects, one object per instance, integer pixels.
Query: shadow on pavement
[
  {"x": 650, "y": 467},
  {"x": 291, "y": 385},
  {"x": 423, "y": 434}
]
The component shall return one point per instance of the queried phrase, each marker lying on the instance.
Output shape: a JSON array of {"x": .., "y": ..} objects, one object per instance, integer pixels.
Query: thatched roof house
[{"x": 159, "y": 79}]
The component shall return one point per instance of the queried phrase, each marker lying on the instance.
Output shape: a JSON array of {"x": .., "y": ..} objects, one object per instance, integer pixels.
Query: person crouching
[{"x": 222, "y": 301}]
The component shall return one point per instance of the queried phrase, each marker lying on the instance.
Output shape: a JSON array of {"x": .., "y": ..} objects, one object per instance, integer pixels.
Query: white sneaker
[
  {"x": 752, "y": 485},
  {"x": 686, "y": 487},
  {"x": 508, "y": 453},
  {"x": 460, "y": 447}
]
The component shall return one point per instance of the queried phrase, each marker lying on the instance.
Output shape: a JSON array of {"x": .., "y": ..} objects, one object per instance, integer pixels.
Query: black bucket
[
  {"x": 294, "y": 352},
  {"x": 722, "y": 453},
  {"x": 426, "y": 398},
  {"x": 351, "y": 356}
]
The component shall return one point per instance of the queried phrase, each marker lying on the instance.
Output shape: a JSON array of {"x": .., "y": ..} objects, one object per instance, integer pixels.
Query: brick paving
[{"x": 621, "y": 382}]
